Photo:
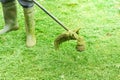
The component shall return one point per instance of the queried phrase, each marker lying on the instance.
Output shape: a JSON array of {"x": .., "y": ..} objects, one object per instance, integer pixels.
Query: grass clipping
[{"x": 70, "y": 35}]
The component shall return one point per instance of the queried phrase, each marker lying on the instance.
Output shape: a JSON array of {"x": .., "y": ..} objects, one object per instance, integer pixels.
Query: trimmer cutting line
[{"x": 69, "y": 35}]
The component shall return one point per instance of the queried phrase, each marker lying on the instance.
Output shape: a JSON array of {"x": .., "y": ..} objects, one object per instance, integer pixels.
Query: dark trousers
[{"x": 23, "y": 3}]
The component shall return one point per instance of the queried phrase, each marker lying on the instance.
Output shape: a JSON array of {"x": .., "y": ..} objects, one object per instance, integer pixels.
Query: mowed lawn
[{"x": 99, "y": 21}]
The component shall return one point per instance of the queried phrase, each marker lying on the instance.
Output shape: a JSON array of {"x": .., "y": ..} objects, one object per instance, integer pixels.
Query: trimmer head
[
  {"x": 80, "y": 44},
  {"x": 70, "y": 35}
]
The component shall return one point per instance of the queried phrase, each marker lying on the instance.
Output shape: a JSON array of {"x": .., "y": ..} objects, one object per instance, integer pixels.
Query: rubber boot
[
  {"x": 10, "y": 15},
  {"x": 30, "y": 26}
]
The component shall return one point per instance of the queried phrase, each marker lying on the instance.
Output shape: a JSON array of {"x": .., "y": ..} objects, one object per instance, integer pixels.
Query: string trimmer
[{"x": 69, "y": 35}]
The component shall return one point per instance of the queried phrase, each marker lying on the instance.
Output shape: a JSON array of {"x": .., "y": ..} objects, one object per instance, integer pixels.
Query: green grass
[{"x": 100, "y": 25}]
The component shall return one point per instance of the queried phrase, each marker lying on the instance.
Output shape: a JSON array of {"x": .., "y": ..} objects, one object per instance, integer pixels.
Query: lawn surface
[{"x": 99, "y": 21}]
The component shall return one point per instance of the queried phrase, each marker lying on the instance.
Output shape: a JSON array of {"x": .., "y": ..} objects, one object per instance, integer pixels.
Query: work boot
[
  {"x": 10, "y": 15},
  {"x": 30, "y": 26}
]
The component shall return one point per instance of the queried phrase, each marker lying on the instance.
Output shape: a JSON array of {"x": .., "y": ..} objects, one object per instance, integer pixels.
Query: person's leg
[
  {"x": 10, "y": 15},
  {"x": 29, "y": 22}
]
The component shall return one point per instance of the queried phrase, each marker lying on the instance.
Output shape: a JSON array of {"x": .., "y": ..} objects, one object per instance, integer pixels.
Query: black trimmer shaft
[{"x": 53, "y": 17}]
